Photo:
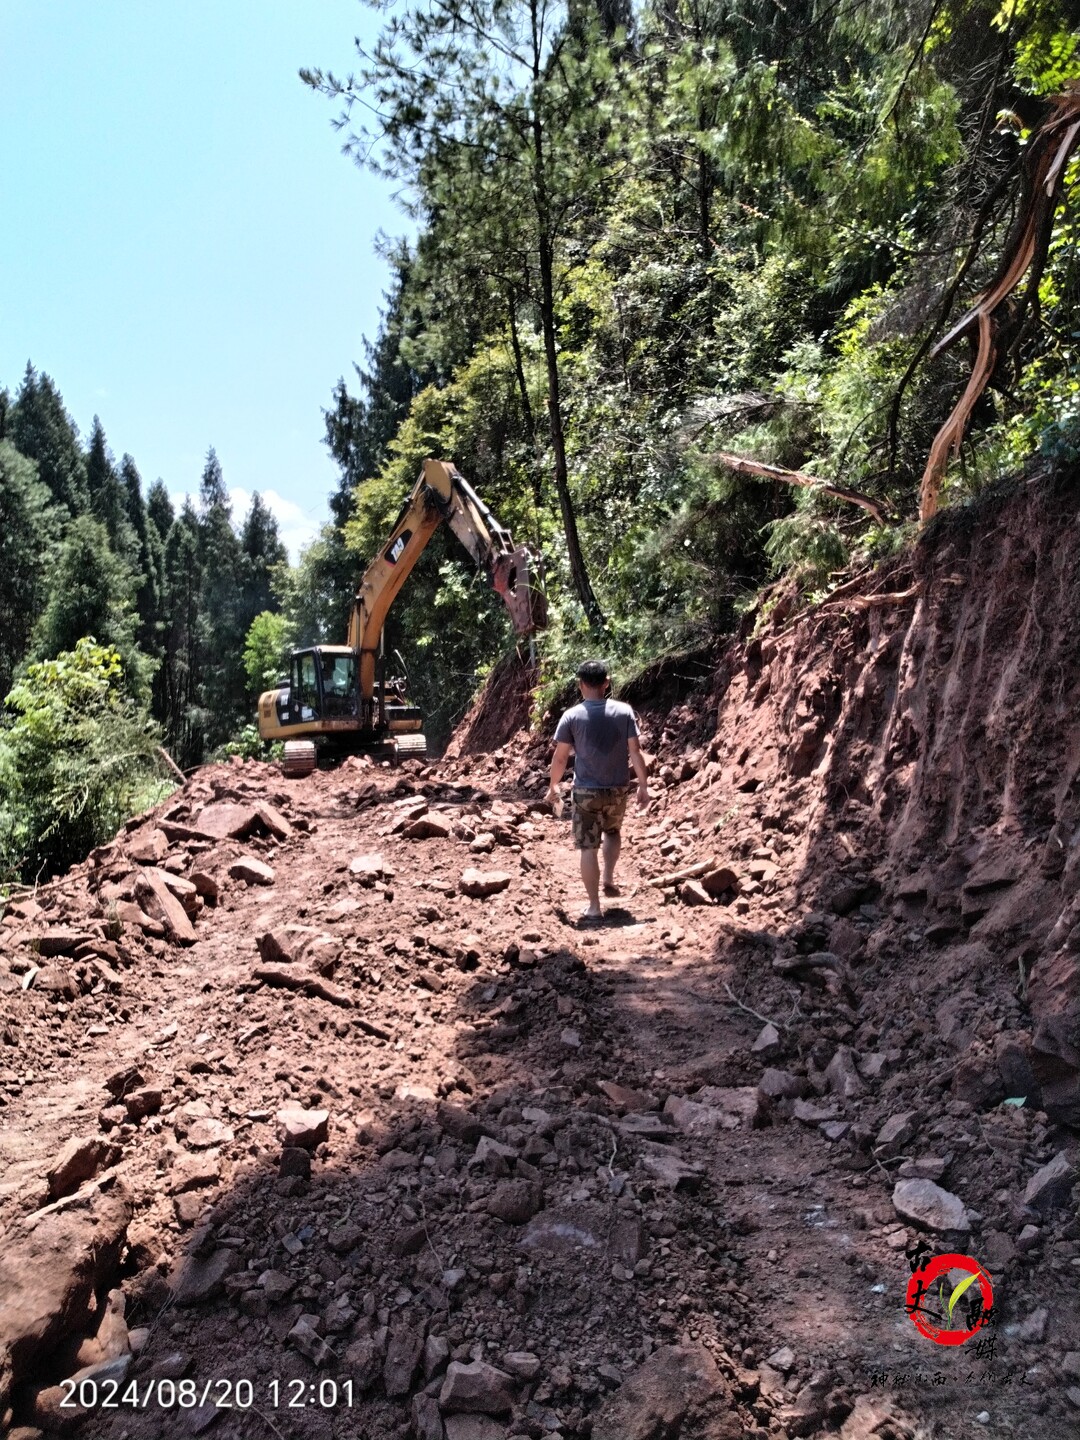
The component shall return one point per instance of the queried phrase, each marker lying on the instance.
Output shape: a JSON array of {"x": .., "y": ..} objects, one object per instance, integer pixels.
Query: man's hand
[
  {"x": 643, "y": 797},
  {"x": 553, "y": 797}
]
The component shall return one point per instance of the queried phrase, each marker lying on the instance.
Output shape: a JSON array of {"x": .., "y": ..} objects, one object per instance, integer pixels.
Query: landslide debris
[{"x": 297, "y": 1091}]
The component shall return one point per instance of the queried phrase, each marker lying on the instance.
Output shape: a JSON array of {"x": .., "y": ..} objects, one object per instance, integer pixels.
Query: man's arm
[
  {"x": 558, "y": 770},
  {"x": 637, "y": 760}
]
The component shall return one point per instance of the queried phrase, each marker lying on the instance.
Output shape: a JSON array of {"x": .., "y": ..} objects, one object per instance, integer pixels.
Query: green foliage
[
  {"x": 26, "y": 548},
  {"x": 91, "y": 592},
  {"x": 266, "y": 651},
  {"x": 78, "y": 756}
]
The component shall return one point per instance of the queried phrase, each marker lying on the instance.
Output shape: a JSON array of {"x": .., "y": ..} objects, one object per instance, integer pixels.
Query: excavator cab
[{"x": 323, "y": 686}]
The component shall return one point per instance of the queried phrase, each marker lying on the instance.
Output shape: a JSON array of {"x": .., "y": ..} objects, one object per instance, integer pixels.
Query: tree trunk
[{"x": 578, "y": 572}]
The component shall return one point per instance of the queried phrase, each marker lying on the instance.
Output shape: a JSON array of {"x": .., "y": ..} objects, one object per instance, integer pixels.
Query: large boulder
[
  {"x": 653, "y": 1402},
  {"x": 49, "y": 1276}
]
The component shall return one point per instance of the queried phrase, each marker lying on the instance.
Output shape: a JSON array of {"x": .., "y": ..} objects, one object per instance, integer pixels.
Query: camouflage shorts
[{"x": 597, "y": 812}]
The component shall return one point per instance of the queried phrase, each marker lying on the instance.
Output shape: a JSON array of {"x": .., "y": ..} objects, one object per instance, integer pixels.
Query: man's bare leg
[
  {"x": 590, "y": 877},
  {"x": 612, "y": 844}
]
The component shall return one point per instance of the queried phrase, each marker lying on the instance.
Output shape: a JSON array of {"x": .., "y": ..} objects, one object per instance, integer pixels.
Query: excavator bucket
[{"x": 514, "y": 578}]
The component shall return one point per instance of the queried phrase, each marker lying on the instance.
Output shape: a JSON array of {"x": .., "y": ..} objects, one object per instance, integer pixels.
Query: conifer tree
[
  {"x": 222, "y": 629},
  {"x": 26, "y": 546},
  {"x": 263, "y": 552},
  {"x": 178, "y": 684},
  {"x": 41, "y": 429},
  {"x": 107, "y": 496}
]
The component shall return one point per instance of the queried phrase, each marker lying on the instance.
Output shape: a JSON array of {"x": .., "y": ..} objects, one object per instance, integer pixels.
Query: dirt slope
[{"x": 556, "y": 1183}]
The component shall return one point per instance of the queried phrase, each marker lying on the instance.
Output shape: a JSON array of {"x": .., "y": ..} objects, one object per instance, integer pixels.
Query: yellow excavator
[{"x": 338, "y": 699}]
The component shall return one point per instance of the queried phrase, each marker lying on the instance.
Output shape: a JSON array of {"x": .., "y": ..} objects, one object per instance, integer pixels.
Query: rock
[
  {"x": 767, "y": 1042},
  {"x": 781, "y": 1085},
  {"x": 306, "y": 1338},
  {"x": 459, "y": 1123},
  {"x": 436, "y": 1354},
  {"x": 370, "y": 868},
  {"x": 284, "y": 946},
  {"x": 782, "y": 1359},
  {"x": 895, "y": 1134},
  {"x": 303, "y": 1128},
  {"x": 79, "y": 1160},
  {"x": 842, "y": 1075},
  {"x": 1012, "y": 1052},
  {"x": 55, "y": 980},
  {"x": 717, "y": 882},
  {"x": 193, "y": 1172},
  {"x": 673, "y": 1172},
  {"x": 656, "y": 1399},
  {"x": 925, "y": 1167},
  {"x": 715, "y": 1108},
  {"x": 155, "y": 897},
  {"x": 49, "y": 1280},
  {"x": 225, "y": 821},
  {"x": 206, "y": 886},
  {"x": 1032, "y": 1329},
  {"x": 60, "y": 941},
  {"x": 295, "y": 1161},
  {"x": 476, "y": 1388},
  {"x": 428, "y": 827},
  {"x": 976, "y": 1080},
  {"x": 404, "y": 1354},
  {"x": 476, "y": 1427},
  {"x": 480, "y": 883},
  {"x": 206, "y": 1131},
  {"x": 811, "y": 1113},
  {"x": 1048, "y": 1189},
  {"x": 129, "y": 914},
  {"x": 196, "y": 1278},
  {"x": 251, "y": 871},
  {"x": 625, "y": 1099},
  {"x": 188, "y": 1207},
  {"x": 692, "y": 892},
  {"x": 926, "y": 1204},
  {"x": 120, "y": 1082},
  {"x": 515, "y": 1202},
  {"x": 426, "y": 1420},
  {"x": 276, "y": 1286},
  {"x": 146, "y": 1100},
  {"x": 273, "y": 820},
  {"x": 521, "y": 1364}
]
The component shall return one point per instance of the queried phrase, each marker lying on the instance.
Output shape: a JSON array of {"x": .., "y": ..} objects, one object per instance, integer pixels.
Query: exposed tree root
[{"x": 1026, "y": 249}]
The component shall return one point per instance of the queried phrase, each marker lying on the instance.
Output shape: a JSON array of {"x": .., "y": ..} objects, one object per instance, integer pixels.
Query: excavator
[{"x": 338, "y": 699}]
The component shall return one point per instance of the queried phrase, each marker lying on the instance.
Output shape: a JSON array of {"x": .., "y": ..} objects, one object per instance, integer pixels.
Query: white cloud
[{"x": 297, "y": 528}]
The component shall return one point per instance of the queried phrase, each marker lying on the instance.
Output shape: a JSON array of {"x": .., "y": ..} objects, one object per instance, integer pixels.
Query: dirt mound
[
  {"x": 343, "y": 1127},
  {"x": 501, "y": 710}
]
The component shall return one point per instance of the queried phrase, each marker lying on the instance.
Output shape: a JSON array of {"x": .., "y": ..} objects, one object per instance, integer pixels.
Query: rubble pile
[{"x": 315, "y": 1087}]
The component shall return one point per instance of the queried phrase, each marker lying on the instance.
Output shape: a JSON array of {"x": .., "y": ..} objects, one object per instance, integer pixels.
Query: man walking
[{"x": 603, "y": 735}]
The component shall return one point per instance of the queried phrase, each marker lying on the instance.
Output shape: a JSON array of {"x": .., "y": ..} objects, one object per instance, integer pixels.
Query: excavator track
[
  {"x": 411, "y": 747},
  {"x": 299, "y": 758}
]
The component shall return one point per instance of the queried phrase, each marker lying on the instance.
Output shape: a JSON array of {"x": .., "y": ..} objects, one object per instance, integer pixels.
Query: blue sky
[{"x": 183, "y": 246}]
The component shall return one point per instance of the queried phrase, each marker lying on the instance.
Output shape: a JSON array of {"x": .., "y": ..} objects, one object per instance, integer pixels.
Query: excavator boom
[{"x": 441, "y": 494}]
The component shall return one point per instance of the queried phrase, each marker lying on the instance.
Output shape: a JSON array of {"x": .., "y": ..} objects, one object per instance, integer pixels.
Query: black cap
[{"x": 593, "y": 672}]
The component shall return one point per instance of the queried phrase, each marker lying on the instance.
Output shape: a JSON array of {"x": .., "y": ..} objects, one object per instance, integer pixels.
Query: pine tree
[
  {"x": 150, "y": 559},
  {"x": 41, "y": 429},
  {"x": 263, "y": 553},
  {"x": 178, "y": 685},
  {"x": 223, "y": 687},
  {"x": 26, "y": 548},
  {"x": 108, "y": 498},
  {"x": 91, "y": 595}
]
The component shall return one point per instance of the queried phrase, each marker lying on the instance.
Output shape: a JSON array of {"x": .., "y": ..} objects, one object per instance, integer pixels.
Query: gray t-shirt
[{"x": 598, "y": 731}]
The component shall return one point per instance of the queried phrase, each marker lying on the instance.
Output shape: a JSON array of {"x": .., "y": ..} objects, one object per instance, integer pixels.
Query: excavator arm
[{"x": 440, "y": 495}]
